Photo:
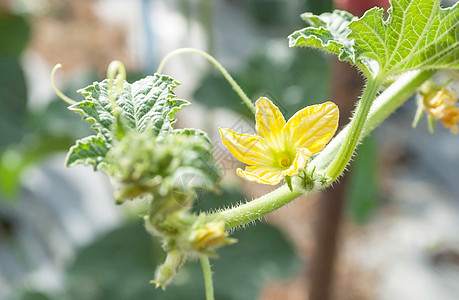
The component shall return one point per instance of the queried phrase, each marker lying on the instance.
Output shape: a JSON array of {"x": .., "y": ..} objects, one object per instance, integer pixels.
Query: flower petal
[
  {"x": 249, "y": 149},
  {"x": 302, "y": 156},
  {"x": 269, "y": 122},
  {"x": 263, "y": 175},
  {"x": 312, "y": 127}
]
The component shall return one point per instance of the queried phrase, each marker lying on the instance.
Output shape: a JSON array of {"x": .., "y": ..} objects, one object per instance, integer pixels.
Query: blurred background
[{"x": 389, "y": 230}]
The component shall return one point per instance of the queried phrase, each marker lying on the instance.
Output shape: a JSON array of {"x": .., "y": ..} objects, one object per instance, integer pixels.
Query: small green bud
[
  {"x": 166, "y": 272},
  {"x": 169, "y": 168}
]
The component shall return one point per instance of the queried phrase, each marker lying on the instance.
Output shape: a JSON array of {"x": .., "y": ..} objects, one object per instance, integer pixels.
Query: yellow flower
[
  {"x": 440, "y": 104},
  {"x": 281, "y": 148},
  {"x": 211, "y": 235}
]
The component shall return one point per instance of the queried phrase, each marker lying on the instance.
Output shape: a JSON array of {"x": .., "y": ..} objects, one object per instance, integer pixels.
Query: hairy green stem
[
  {"x": 356, "y": 126},
  {"x": 395, "y": 96},
  {"x": 207, "y": 272},
  {"x": 251, "y": 211},
  {"x": 386, "y": 103},
  {"x": 382, "y": 107},
  {"x": 217, "y": 65}
]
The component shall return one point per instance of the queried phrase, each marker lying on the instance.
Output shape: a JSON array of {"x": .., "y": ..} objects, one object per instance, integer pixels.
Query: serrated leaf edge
[{"x": 86, "y": 161}]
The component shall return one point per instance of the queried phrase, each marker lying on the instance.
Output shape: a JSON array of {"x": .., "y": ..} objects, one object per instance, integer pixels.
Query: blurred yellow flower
[
  {"x": 440, "y": 104},
  {"x": 210, "y": 235},
  {"x": 281, "y": 148}
]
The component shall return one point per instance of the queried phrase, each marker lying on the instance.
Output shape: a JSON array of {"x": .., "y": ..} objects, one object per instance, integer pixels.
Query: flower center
[{"x": 285, "y": 161}]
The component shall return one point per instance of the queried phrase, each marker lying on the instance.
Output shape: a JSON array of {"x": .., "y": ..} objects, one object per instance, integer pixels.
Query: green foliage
[
  {"x": 12, "y": 163},
  {"x": 327, "y": 32},
  {"x": 170, "y": 167},
  {"x": 13, "y": 88},
  {"x": 119, "y": 265},
  {"x": 13, "y": 102},
  {"x": 146, "y": 105},
  {"x": 13, "y": 99},
  {"x": 16, "y": 29},
  {"x": 415, "y": 35},
  {"x": 33, "y": 295},
  {"x": 147, "y": 159},
  {"x": 262, "y": 252},
  {"x": 136, "y": 145},
  {"x": 319, "y": 7},
  {"x": 46, "y": 131},
  {"x": 89, "y": 150},
  {"x": 363, "y": 188}
]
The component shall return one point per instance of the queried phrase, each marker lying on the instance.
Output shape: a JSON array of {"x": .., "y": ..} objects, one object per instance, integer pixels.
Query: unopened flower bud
[
  {"x": 210, "y": 235},
  {"x": 166, "y": 272}
]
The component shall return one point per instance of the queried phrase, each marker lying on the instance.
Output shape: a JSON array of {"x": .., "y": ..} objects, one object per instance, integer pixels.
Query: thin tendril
[
  {"x": 213, "y": 61},
  {"x": 56, "y": 90},
  {"x": 116, "y": 71}
]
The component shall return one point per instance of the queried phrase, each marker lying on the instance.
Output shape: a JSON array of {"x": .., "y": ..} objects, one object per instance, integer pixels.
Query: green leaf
[
  {"x": 13, "y": 102},
  {"x": 12, "y": 164},
  {"x": 319, "y": 7},
  {"x": 89, "y": 150},
  {"x": 34, "y": 295},
  {"x": 416, "y": 35},
  {"x": 146, "y": 105},
  {"x": 328, "y": 32},
  {"x": 15, "y": 33},
  {"x": 47, "y": 131},
  {"x": 120, "y": 264}
]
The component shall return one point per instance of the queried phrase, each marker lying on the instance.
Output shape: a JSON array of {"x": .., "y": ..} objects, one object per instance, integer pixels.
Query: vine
[{"x": 135, "y": 142}]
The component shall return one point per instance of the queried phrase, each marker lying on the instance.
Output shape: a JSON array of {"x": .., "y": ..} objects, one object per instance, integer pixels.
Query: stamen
[{"x": 285, "y": 161}]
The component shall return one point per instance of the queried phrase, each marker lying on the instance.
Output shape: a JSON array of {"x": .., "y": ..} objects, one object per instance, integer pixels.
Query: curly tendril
[
  {"x": 115, "y": 71},
  {"x": 56, "y": 89}
]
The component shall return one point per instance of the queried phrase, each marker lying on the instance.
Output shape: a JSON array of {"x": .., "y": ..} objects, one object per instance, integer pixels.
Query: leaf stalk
[{"x": 356, "y": 126}]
